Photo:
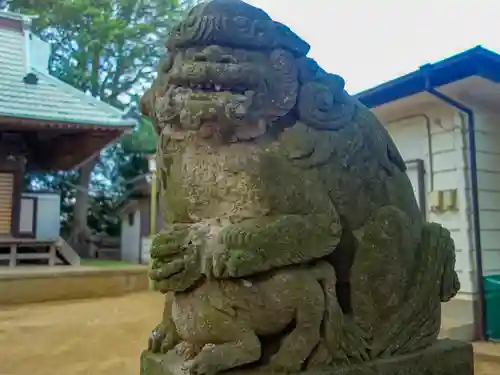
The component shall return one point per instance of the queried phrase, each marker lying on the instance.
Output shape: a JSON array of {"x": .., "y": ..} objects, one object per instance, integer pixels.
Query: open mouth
[
  {"x": 215, "y": 110},
  {"x": 216, "y": 88},
  {"x": 209, "y": 101},
  {"x": 216, "y": 77}
]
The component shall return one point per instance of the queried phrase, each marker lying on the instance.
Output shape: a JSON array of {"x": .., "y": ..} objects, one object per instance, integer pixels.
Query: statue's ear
[
  {"x": 323, "y": 103},
  {"x": 335, "y": 82},
  {"x": 285, "y": 83}
]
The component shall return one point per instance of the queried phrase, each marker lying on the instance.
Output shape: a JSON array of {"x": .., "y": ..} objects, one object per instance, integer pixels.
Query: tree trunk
[{"x": 80, "y": 233}]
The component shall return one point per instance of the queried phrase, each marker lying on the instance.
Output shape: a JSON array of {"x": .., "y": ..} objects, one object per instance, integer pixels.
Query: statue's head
[{"x": 232, "y": 72}]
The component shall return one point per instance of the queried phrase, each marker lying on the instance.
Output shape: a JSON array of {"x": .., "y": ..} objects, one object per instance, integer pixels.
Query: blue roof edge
[{"x": 477, "y": 61}]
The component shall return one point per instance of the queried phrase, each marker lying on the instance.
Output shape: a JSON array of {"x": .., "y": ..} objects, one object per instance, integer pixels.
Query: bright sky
[{"x": 371, "y": 41}]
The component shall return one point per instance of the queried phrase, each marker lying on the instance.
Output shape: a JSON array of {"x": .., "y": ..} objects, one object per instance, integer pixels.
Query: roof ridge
[{"x": 79, "y": 94}]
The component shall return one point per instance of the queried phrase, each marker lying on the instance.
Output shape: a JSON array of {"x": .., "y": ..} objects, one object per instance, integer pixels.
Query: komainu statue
[{"x": 293, "y": 241}]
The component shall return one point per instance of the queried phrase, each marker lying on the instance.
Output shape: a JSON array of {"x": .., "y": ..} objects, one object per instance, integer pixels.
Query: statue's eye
[{"x": 229, "y": 59}]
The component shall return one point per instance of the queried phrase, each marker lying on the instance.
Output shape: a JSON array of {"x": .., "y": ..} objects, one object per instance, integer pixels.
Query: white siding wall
[
  {"x": 488, "y": 170},
  {"x": 449, "y": 172},
  {"x": 411, "y": 138}
]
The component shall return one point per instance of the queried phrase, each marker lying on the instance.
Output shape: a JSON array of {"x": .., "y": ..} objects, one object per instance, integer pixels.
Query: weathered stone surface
[
  {"x": 445, "y": 357},
  {"x": 293, "y": 237}
]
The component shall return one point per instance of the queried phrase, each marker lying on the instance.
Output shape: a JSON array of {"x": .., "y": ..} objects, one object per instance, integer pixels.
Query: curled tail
[
  {"x": 450, "y": 284},
  {"x": 416, "y": 325}
]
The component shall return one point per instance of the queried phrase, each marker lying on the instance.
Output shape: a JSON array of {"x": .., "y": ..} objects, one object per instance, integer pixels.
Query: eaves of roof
[{"x": 477, "y": 61}]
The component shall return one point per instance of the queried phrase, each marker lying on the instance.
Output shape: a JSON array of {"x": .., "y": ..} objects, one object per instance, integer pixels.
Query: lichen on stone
[{"x": 293, "y": 239}]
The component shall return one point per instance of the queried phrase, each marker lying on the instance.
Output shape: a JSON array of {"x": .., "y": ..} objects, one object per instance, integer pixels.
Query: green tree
[
  {"x": 142, "y": 140},
  {"x": 108, "y": 49}
]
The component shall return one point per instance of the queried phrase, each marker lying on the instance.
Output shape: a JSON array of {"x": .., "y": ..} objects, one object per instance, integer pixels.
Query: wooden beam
[
  {"x": 23, "y": 124},
  {"x": 34, "y": 256},
  {"x": 67, "y": 151},
  {"x": 8, "y": 23}
]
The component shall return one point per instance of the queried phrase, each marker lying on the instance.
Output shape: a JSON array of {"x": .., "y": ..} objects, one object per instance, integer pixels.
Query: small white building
[
  {"x": 135, "y": 215},
  {"x": 45, "y": 125},
  {"x": 445, "y": 120}
]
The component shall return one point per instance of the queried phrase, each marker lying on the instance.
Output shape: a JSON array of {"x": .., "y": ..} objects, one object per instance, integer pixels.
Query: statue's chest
[{"x": 220, "y": 183}]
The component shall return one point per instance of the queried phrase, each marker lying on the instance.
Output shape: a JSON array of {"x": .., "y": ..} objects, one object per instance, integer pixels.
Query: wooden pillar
[
  {"x": 52, "y": 255},
  {"x": 13, "y": 255}
]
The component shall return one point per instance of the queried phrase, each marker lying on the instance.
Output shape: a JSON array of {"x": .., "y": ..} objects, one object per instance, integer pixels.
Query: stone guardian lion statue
[{"x": 285, "y": 171}]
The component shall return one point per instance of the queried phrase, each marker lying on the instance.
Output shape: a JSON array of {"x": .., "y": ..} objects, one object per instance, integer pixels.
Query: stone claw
[
  {"x": 161, "y": 340},
  {"x": 199, "y": 367},
  {"x": 235, "y": 263},
  {"x": 187, "y": 350},
  {"x": 221, "y": 265},
  {"x": 155, "y": 340},
  {"x": 166, "y": 270}
]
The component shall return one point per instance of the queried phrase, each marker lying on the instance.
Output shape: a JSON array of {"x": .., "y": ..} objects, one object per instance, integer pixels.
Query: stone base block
[{"x": 446, "y": 357}]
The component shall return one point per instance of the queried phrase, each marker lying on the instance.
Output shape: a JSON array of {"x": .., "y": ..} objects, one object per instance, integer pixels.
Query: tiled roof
[{"x": 49, "y": 99}]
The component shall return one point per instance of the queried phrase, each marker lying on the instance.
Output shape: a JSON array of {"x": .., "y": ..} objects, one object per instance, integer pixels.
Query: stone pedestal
[{"x": 446, "y": 357}]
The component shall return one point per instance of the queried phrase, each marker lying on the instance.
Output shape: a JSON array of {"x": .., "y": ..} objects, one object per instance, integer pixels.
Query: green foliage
[
  {"x": 142, "y": 140},
  {"x": 108, "y": 49}
]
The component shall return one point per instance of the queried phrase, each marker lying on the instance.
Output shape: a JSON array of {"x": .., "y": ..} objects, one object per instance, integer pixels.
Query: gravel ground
[
  {"x": 487, "y": 368},
  {"x": 90, "y": 337}
]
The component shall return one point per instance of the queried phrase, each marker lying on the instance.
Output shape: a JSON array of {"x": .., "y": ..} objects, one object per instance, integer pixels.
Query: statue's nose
[{"x": 214, "y": 54}]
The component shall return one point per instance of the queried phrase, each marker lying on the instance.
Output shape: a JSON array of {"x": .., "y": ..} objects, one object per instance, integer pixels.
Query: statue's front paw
[
  {"x": 163, "y": 271},
  {"x": 235, "y": 263},
  {"x": 169, "y": 243},
  {"x": 160, "y": 340},
  {"x": 155, "y": 340}
]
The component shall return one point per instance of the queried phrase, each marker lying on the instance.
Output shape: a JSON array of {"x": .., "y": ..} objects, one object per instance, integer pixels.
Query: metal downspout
[{"x": 481, "y": 328}]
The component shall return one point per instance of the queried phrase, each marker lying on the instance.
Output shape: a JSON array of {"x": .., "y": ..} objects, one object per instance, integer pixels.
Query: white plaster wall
[
  {"x": 488, "y": 170},
  {"x": 130, "y": 238}
]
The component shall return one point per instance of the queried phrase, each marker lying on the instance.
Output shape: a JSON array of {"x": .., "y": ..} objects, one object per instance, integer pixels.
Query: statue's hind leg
[
  {"x": 244, "y": 348},
  {"x": 342, "y": 259},
  {"x": 299, "y": 344}
]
